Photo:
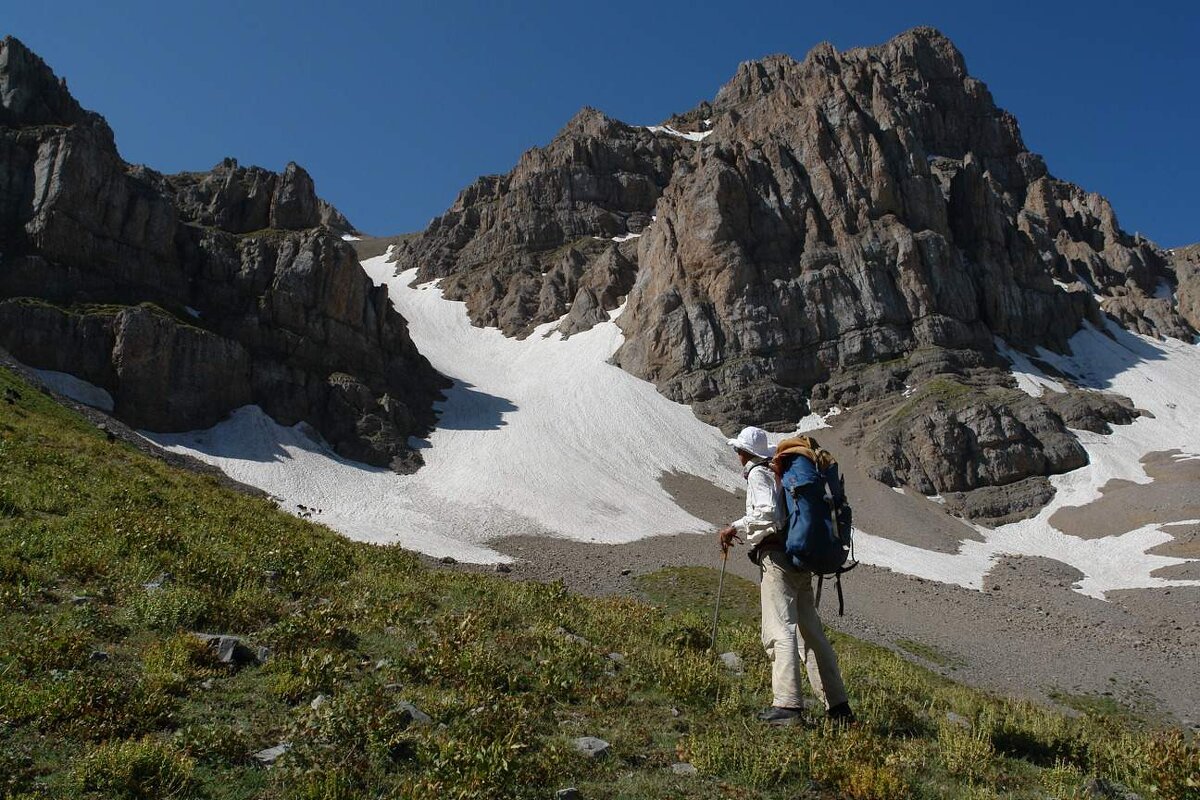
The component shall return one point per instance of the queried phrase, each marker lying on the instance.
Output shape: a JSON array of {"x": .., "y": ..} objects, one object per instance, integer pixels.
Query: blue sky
[{"x": 393, "y": 107}]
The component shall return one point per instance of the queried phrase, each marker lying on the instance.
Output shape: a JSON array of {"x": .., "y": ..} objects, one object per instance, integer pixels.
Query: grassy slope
[{"x": 84, "y": 523}]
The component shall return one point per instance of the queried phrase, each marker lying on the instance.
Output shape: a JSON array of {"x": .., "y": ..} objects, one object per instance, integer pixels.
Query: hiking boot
[
  {"x": 841, "y": 714},
  {"x": 776, "y": 715}
]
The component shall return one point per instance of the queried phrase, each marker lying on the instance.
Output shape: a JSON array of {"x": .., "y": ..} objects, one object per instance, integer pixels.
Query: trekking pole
[{"x": 717, "y": 612}]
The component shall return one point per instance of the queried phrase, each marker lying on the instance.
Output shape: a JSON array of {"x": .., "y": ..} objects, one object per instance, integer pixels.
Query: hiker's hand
[{"x": 727, "y": 536}]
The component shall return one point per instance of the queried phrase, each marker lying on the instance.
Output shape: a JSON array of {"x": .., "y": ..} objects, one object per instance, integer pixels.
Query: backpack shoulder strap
[{"x": 764, "y": 464}]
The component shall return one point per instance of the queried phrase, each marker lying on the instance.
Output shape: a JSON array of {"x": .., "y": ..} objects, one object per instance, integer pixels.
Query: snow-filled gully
[{"x": 544, "y": 436}]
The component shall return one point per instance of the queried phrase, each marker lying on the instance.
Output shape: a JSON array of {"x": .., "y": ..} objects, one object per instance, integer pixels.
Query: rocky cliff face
[
  {"x": 827, "y": 232},
  {"x": 189, "y": 295},
  {"x": 557, "y": 235},
  {"x": 862, "y": 208},
  {"x": 1186, "y": 261}
]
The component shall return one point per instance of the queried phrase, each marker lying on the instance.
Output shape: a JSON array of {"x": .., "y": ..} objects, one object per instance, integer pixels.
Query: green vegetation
[
  {"x": 104, "y": 692},
  {"x": 1096, "y": 704},
  {"x": 944, "y": 391},
  {"x": 930, "y": 653},
  {"x": 178, "y": 315},
  {"x": 940, "y": 390}
]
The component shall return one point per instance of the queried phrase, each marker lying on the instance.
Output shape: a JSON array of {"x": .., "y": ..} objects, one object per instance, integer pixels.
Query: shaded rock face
[
  {"x": 527, "y": 247},
  {"x": 246, "y": 199},
  {"x": 189, "y": 295}
]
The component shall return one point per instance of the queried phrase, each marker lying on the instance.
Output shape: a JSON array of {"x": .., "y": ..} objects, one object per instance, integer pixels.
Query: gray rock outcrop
[
  {"x": 1186, "y": 261},
  {"x": 592, "y": 747},
  {"x": 186, "y": 296}
]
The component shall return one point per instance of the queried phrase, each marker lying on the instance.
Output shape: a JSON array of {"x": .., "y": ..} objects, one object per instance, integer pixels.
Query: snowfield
[
  {"x": 536, "y": 436},
  {"x": 77, "y": 389},
  {"x": 544, "y": 436}
]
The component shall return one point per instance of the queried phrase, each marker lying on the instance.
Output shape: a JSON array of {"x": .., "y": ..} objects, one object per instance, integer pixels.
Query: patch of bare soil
[{"x": 1172, "y": 495}]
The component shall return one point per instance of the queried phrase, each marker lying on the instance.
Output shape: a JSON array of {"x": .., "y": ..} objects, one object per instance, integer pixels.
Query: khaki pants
[{"x": 792, "y": 635}]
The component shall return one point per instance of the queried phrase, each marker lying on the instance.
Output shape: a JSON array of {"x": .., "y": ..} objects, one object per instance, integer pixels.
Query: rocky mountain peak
[
  {"x": 755, "y": 79},
  {"x": 838, "y": 230},
  {"x": 923, "y": 50},
  {"x": 31, "y": 94},
  {"x": 243, "y": 199},
  {"x": 589, "y": 121}
]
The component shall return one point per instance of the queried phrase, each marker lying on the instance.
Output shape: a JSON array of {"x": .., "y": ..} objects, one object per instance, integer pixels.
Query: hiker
[{"x": 791, "y": 630}]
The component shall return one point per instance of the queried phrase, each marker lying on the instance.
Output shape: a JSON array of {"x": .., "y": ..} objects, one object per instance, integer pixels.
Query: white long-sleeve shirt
[{"x": 762, "y": 504}]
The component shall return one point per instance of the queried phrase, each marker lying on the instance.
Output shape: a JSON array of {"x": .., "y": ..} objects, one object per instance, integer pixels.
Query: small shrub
[
  {"x": 315, "y": 672},
  {"x": 1171, "y": 765},
  {"x": 965, "y": 753},
  {"x": 687, "y": 677},
  {"x": 336, "y": 782},
  {"x": 858, "y": 764},
  {"x": 213, "y": 743},
  {"x": 1026, "y": 731},
  {"x": 17, "y": 770},
  {"x": 321, "y": 623},
  {"x": 759, "y": 762},
  {"x": 172, "y": 664},
  {"x": 170, "y": 608},
  {"x": 1063, "y": 781},
  {"x": 894, "y": 714},
  {"x": 685, "y": 632},
  {"x": 56, "y": 644},
  {"x": 90, "y": 707},
  {"x": 248, "y": 608},
  {"x": 137, "y": 770}
]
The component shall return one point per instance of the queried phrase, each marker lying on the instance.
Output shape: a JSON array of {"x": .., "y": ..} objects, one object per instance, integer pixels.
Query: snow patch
[
  {"x": 538, "y": 436},
  {"x": 347, "y": 237},
  {"x": 1159, "y": 377},
  {"x": 191, "y": 311},
  {"x": 77, "y": 389},
  {"x": 624, "y": 237},
  {"x": 1031, "y": 380},
  {"x": 695, "y": 136}
]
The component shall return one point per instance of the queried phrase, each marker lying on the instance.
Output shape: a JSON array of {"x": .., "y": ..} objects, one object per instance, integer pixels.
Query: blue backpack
[{"x": 818, "y": 517}]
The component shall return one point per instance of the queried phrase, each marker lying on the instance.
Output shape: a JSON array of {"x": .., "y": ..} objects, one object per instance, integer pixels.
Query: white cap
[{"x": 753, "y": 441}]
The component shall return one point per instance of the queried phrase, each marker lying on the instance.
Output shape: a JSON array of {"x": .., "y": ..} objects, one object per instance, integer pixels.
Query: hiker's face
[{"x": 743, "y": 456}]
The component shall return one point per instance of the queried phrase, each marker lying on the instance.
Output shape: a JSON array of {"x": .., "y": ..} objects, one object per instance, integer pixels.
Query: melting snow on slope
[
  {"x": 536, "y": 436},
  {"x": 544, "y": 436},
  {"x": 1031, "y": 380},
  {"x": 1160, "y": 377},
  {"x": 77, "y": 389}
]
